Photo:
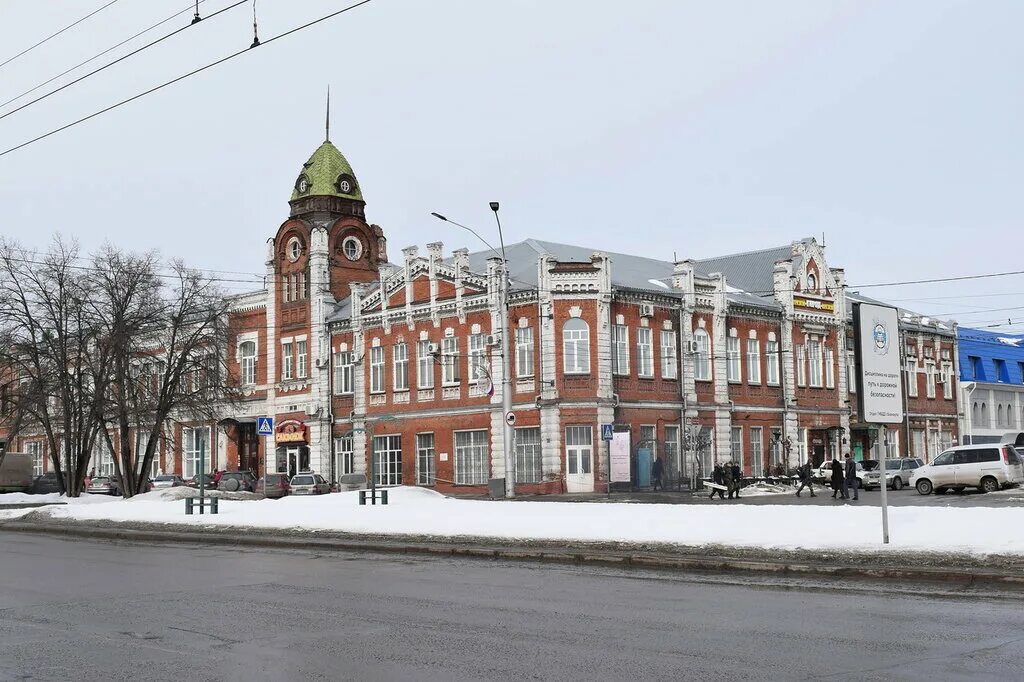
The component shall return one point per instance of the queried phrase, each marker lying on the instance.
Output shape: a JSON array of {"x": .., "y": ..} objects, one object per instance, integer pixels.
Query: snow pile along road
[{"x": 415, "y": 511}]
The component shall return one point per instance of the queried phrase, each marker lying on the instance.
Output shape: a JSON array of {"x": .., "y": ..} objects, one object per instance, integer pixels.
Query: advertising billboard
[{"x": 879, "y": 363}]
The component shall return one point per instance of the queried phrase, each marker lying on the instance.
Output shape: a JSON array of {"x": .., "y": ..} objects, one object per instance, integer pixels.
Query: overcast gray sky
[{"x": 694, "y": 128}]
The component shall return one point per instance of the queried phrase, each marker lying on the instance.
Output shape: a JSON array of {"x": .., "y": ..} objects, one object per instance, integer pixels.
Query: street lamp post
[{"x": 506, "y": 378}]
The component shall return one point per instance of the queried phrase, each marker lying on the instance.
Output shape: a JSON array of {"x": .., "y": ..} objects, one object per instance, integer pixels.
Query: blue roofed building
[{"x": 992, "y": 384}]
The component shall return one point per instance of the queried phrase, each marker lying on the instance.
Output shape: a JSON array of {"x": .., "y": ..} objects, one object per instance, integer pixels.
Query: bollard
[
  {"x": 362, "y": 497},
  {"x": 383, "y": 496}
]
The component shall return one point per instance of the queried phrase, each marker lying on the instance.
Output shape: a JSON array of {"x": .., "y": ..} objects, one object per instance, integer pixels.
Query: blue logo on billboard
[{"x": 880, "y": 335}]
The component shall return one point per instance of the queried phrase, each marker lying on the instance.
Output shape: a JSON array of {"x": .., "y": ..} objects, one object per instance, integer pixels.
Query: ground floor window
[
  {"x": 736, "y": 446},
  {"x": 344, "y": 456},
  {"x": 673, "y": 464},
  {"x": 141, "y": 443},
  {"x": 579, "y": 449},
  {"x": 918, "y": 443},
  {"x": 528, "y": 455},
  {"x": 102, "y": 458},
  {"x": 425, "y": 474},
  {"x": 34, "y": 449},
  {"x": 195, "y": 444},
  {"x": 471, "y": 455},
  {"x": 388, "y": 451},
  {"x": 756, "y": 450}
]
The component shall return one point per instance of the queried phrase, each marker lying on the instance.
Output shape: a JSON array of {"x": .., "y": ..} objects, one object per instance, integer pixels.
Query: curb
[{"x": 961, "y": 577}]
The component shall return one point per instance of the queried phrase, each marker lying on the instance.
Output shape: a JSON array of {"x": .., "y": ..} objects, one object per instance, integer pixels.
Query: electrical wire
[
  {"x": 54, "y": 35},
  {"x": 183, "y": 76},
  {"x": 100, "y": 54},
  {"x": 116, "y": 61}
]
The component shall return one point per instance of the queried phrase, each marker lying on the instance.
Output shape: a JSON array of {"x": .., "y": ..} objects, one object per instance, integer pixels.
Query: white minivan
[{"x": 990, "y": 467}]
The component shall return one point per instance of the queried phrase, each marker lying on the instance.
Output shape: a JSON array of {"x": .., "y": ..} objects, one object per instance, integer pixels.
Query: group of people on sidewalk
[
  {"x": 729, "y": 475},
  {"x": 844, "y": 478}
]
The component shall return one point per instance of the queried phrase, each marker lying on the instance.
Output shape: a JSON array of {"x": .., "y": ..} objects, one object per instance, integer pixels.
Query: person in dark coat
[
  {"x": 805, "y": 479},
  {"x": 727, "y": 475},
  {"x": 837, "y": 478},
  {"x": 851, "y": 477},
  {"x": 737, "y": 479},
  {"x": 717, "y": 476},
  {"x": 657, "y": 473}
]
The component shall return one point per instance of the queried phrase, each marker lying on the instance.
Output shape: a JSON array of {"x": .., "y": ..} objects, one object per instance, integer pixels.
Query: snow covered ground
[{"x": 416, "y": 511}]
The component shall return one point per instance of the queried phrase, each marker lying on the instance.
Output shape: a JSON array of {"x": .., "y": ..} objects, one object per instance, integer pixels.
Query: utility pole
[{"x": 506, "y": 367}]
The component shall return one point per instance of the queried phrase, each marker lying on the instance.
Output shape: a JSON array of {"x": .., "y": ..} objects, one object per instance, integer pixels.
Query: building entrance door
[{"x": 579, "y": 459}]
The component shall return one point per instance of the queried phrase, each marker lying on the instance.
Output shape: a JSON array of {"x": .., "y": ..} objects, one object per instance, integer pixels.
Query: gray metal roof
[{"x": 751, "y": 271}]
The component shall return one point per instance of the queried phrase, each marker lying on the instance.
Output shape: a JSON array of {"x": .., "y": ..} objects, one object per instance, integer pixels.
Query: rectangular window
[
  {"x": 477, "y": 359},
  {"x": 576, "y": 347},
  {"x": 756, "y": 451},
  {"x": 528, "y": 456},
  {"x": 929, "y": 369},
  {"x": 425, "y": 473},
  {"x": 400, "y": 362},
  {"x": 302, "y": 355},
  {"x": 343, "y": 451},
  {"x": 247, "y": 353},
  {"x": 424, "y": 365},
  {"x": 524, "y": 352},
  {"x": 672, "y": 461},
  {"x": 471, "y": 457},
  {"x": 196, "y": 451},
  {"x": 851, "y": 372},
  {"x": 34, "y": 449},
  {"x": 912, "y": 378},
  {"x": 103, "y": 460},
  {"x": 450, "y": 361},
  {"x": 649, "y": 437},
  {"x": 377, "y": 370},
  {"x": 771, "y": 349},
  {"x": 286, "y": 360},
  {"x": 388, "y": 452},
  {"x": 669, "y": 355},
  {"x": 343, "y": 373},
  {"x": 141, "y": 443},
  {"x": 753, "y": 361},
  {"x": 736, "y": 445},
  {"x": 579, "y": 449},
  {"x": 620, "y": 349},
  {"x": 947, "y": 381},
  {"x": 702, "y": 359},
  {"x": 801, "y": 366},
  {"x": 732, "y": 356},
  {"x": 830, "y": 370},
  {"x": 644, "y": 352},
  {"x": 814, "y": 362},
  {"x": 1002, "y": 374}
]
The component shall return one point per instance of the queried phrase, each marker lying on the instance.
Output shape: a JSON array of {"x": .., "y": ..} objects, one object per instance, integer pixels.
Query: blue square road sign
[
  {"x": 265, "y": 426},
  {"x": 606, "y": 431}
]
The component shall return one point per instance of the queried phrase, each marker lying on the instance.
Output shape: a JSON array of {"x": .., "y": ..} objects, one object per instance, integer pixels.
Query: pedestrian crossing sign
[
  {"x": 606, "y": 431},
  {"x": 265, "y": 426}
]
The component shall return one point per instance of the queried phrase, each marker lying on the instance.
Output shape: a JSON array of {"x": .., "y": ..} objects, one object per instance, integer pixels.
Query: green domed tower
[{"x": 327, "y": 185}]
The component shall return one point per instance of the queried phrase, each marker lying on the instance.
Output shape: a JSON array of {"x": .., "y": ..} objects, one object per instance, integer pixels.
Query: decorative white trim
[
  {"x": 375, "y": 342},
  {"x": 620, "y": 319},
  {"x": 575, "y": 311}
]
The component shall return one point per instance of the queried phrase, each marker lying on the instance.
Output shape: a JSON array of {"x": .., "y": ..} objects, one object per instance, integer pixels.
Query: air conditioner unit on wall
[
  {"x": 646, "y": 310},
  {"x": 433, "y": 348},
  {"x": 492, "y": 340},
  {"x": 690, "y": 347}
]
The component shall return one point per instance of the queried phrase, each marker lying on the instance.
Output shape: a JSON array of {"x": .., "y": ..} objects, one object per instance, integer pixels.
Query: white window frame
[
  {"x": 645, "y": 352},
  {"x": 247, "y": 362},
  {"x": 400, "y": 366},
  {"x": 141, "y": 441},
  {"x": 426, "y": 450},
  {"x": 757, "y": 451},
  {"x": 736, "y": 446},
  {"x": 576, "y": 346},
  {"x": 732, "y": 360},
  {"x": 529, "y": 455},
  {"x": 771, "y": 351},
  {"x": 34, "y": 449},
  {"x": 193, "y": 440},
  {"x": 287, "y": 355},
  {"x": 524, "y": 352},
  {"x": 450, "y": 361},
  {"x": 911, "y": 377},
  {"x": 343, "y": 367},
  {"x": 620, "y": 350},
  {"x": 947, "y": 381},
  {"x": 472, "y": 457},
  {"x": 477, "y": 356},
  {"x": 388, "y": 453},
  {"x": 302, "y": 358},
  {"x": 851, "y": 372},
  {"x": 929, "y": 370},
  {"x": 830, "y": 370},
  {"x": 801, "y": 365},
  {"x": 702, "y": 358},
  {"x": 344, "y": 451},
  {"x": 424, "y": 365},
  {"x": 377, "y": 369},
  {"x": 753, "y": 361},
  {"x": 814, "y": 361},
  {"x": 669, "y": 354}
]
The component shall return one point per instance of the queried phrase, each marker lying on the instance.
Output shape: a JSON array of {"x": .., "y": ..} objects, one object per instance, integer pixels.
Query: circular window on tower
[
  {"x": 302, "y": 184},
  {"x": 346, "y": 184},
  {"x": 352, "y": 247},
  {"x": 293, "y": 249}
]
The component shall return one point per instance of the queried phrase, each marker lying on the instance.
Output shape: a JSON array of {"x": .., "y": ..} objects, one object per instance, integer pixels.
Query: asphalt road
[{"x": 73, "y": 609}]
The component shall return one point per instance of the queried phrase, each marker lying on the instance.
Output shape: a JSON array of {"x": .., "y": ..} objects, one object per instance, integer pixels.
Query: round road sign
[{"x": 510, "y": 418}]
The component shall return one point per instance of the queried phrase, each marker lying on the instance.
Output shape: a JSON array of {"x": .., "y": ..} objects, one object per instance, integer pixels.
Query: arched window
[
  {"x": 576, "y": 346},
  {"x": 984, "y": 416},
  {"x": 975, "y": 413},
  {"x": 247, "y": 360},
  {"x": 702, "y": 358},
  {"x": 999, "y": 415},
  {"x": 812, "y": 282}
]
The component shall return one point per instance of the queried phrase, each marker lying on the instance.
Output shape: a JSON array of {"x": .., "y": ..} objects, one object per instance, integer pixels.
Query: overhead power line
[
  {"x": 100, "y": 54},
  {"x": 118, "y": 60},
  {"x": 54, "y": 35},
  {"x": 182, "y": 77}
]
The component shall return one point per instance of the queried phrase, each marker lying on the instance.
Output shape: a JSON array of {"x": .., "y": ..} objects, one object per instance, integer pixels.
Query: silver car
[
  {"x": 897, "y": 473},
  {"x": 168, "y": 481},
  {"x": 308, "y": 483}
]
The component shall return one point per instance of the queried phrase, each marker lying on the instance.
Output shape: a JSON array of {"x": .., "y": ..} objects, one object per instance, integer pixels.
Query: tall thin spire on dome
[{"x": 328, "y": 123}]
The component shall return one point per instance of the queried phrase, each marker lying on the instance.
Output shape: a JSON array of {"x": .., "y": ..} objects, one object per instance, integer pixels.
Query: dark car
[
  {"x": 277, "y": 486},
  {"x": 208, "y": 482},
  {"x": 237, "y": 480},
  {"x": 47, "y": 483}
]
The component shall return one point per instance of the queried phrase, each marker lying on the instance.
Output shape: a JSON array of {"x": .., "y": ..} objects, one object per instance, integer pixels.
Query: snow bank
[
  {"x": 416, "y": 511},
  {"x": 50, "y": 498}
]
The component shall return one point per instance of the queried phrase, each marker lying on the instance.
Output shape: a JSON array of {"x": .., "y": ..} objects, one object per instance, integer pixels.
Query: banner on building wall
[
  {"x": 877, "y": 354},
  {"x": 618, "y": 455}
]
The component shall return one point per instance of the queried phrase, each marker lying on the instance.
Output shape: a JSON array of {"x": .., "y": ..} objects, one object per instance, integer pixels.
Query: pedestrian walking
[
  {"x": 727, "y": 475},
  {"x": 837, "y": 477},
  {"x": 658, "y": 472},
  {"x": 851, "y": 477},
  {"x": 805, "y": 479},
  {"x": 717, "y": 477},
  {"x": 737, "y": 478}
]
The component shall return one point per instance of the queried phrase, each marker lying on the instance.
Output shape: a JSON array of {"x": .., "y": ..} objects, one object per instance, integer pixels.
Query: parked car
[
  {"x": 308, "y": 483},
  {"x": 209, "y": 483},
  {"x": 168, "y": 481},
  {"x": 824, "y": 472},
  {"x": 989, "y": 467},
  {"x": 237, "y": 480},
  {"x": 46, "y": 483},
  {"x": 278, "y": 485},
  {"x": 102, "y": 485},
  {"x": 15, "y": 472},
  {"x": 897, "y": 473}
]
